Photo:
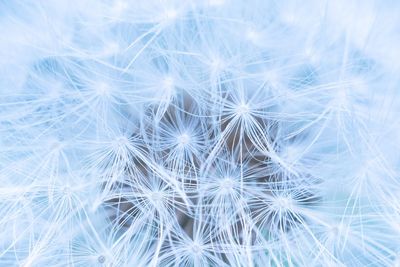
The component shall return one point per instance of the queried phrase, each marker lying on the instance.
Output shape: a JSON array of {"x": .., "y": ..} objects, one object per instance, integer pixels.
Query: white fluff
[{"x": 199, "y": 133}]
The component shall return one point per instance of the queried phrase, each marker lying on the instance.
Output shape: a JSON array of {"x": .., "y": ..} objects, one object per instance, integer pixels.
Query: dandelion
[{"x": 199, "y": 133}]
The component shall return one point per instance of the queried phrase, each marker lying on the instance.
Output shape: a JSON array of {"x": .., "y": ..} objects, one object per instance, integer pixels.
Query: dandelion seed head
[
  {"x": 67, "y": 191},
  {"x": 156, "y": 196},
  {"x": 216, "y": 64},
  {"x": 242, "y": 109},
  {"x": 103, "y": 89},
  {"x": 253, "y": 35},
  {"x": 111, "y": 48},
  {"x": 227, "y": 184},
  {"x": 170, "y": 14},
  {"x": 183, "y": 139},
  {"x": 121, "y": 142},
  {"x": 283, "y": 203},
  {"x": 313, "y": 55},
  {"x": 291, "y": 153},
  {"x": 56, "y": 145},
  {"x": 196, "y": 248}
]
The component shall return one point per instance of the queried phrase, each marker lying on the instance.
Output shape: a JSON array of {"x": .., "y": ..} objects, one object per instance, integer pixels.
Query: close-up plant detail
[{"x": 199, "y": 133}]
